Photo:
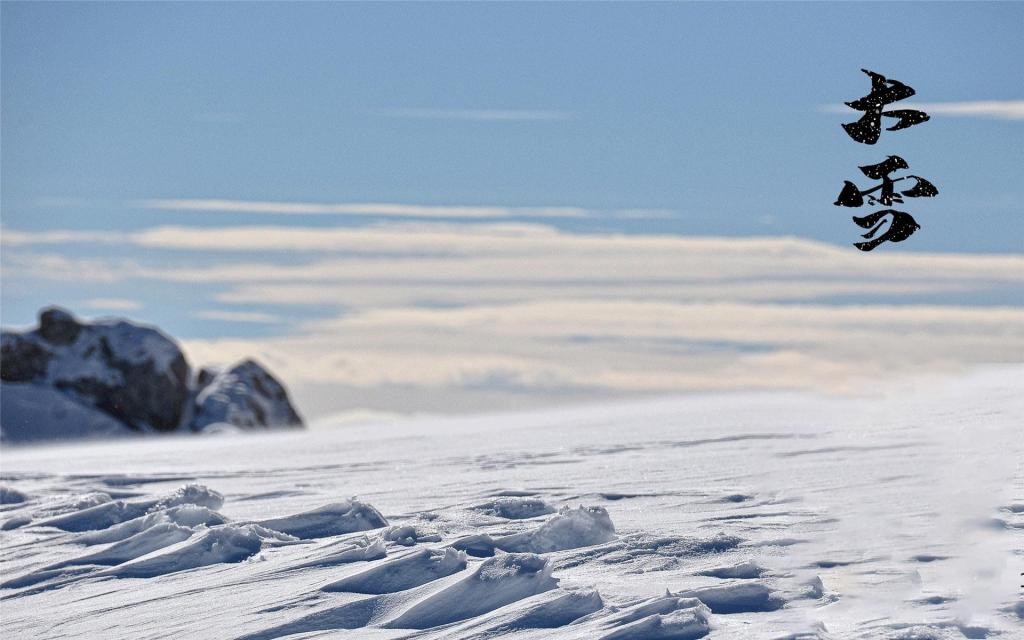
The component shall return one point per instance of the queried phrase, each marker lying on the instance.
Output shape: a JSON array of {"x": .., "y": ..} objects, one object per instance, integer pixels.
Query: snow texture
[
  {"x": 329, "y": 520},
  {"x": 783, "y": 516},
  {"x": 515, "y": 507}
]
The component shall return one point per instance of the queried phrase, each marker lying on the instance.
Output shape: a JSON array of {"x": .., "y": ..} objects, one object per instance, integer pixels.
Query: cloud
[
  {"x": 996, "y": 109},
  {"x": 385, "y": 209},
  {"x": 990, "y": 109},
  {"x": 463, "y": 263},
  {"x": 634, "y": 346},
  {"x": 479, "y": 115},
  {"x": 382, "y": 209},
  {"x": 438, "y": 315},
  {"x": 27, "y": 265},
  {"x": 112, "y": 304},
  {"x": 238, "y": 316},
  {"x": 17, "y": 238}
]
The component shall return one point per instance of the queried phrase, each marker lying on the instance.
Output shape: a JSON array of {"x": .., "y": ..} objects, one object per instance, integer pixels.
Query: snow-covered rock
[
  {"x": 69, "y": 378},
  {"x": 245, "y": 395},
  {"x": 131, "y": 372}
]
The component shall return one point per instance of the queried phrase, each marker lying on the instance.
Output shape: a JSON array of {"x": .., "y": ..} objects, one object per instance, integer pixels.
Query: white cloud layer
[
  {"x": 112, "y": 304},
  {"x": 257, "y": 317},
  {"x": 998, "y": 109},
  {"x": 990, "y": 109},
  {"x": 389, "y": 209},
  {"x": 431, "y": 315}
]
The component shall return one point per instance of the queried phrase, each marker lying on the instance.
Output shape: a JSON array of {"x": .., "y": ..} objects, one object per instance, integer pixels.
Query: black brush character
[
  {"x": 901, "y": 226},
  {"x": 852, "y": 196},
  {"x": 883, "y": 92}
]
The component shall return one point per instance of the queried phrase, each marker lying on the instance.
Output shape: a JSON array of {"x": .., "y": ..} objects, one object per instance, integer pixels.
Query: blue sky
[
  {"x": 711, "y": 111},
  {"x": 689, "y": 119}
]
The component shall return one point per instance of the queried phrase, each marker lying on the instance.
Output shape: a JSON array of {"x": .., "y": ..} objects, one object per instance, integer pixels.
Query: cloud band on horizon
[
  {"x": 437, "y": 314},
  {"x": 987, "y": 109},
  {"x": 388, "y": 209}
]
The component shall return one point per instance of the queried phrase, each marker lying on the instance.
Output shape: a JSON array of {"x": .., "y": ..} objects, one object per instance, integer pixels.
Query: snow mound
[
  {"x": 145, "y": 542},
  {"x": 514, "y": 507},
  {"x": 662, "y": 618},
  {"x": 10, "y": 495},
  {"x": 404, "y": 572},
  {"x": 495, "y": 583},
  {"x": 644, "y": 552},
  {"x": 739, "y": 597},
  {"x": 742, "y": 570},
  {"x": 187, "y": 515},
  {"x": 194, "y": 494},
  {"x": 547, "y": 610},
  {"x": 100, "y": 516},
  {"x": 407, "y": 535},
  {"x": 569, "y": 529},
  {"x": 333, "y": 519},
  {"x": 15, "y": 523},
  {"x": 77, "y": 503},
  {"x": 360, "y": 549},
  {"x": 108, "y": 514},
  {"x": 223, "y": 544},
  {"x": 813, "y": 588}
]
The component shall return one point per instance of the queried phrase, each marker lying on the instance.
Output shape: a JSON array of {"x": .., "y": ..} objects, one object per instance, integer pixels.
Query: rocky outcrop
[
  {"x": 245, "y": 395},
  {"x": 133, "y": 374}
]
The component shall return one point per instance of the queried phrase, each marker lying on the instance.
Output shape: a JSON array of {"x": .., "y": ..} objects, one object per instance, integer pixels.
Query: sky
[{"x": 435, "y": 207}]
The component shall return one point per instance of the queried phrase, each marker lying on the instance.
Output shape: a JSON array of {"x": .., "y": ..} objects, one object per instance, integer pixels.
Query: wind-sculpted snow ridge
[
  {"x": 179, "y": 531},
  {"x": 188, "y": 515},
  {"x": 131, "y": 548},
  {"x": 403, "y": 572},
  {"x": 333, "y": 519},
  {"x": 11, "y": 496},
  {"x": 669, "y": 618},
  {"x": 728, "y": 535},
  {"x": 747, "y": 569},
  {"x": 642, "y": 552},
  {"x": 108, "y": 514},
  {"x": 407, "y": 535},
  {"x": 569, "y": 529},
  {"x": 737, "y": 597},
  {"x": 582, "y": 614},
  {"x": 514, "y": 507},
  {"x": 358, "y": 549},
  {"x": 221, "y": 544},
  {"x": 492, "y": 584}
]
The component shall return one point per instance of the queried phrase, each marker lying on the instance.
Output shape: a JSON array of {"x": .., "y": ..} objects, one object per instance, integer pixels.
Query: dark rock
[
  {"x": 134, "y": 374},
  {"x": 22, "y": 359},
  {"x": 245, "y": 395},
  {"x": 57, "y": 326}
]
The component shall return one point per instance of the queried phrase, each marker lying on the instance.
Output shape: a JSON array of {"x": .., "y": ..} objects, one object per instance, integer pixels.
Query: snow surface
[
  {"x": 767, "y": 515},
  {"x": 53, "y": 415}
]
